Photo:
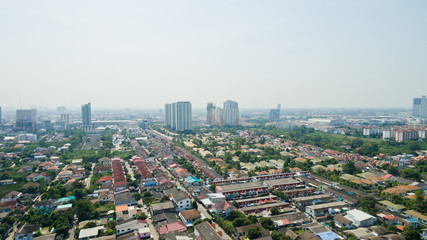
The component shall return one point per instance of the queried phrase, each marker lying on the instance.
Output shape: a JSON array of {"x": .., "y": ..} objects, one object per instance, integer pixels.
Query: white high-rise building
[
  {"x": 227, "y": 116},
  {"x": 420, "y": 107},
  {"x": 230, "y": 114},
  {"x": 178, "y": 116}
]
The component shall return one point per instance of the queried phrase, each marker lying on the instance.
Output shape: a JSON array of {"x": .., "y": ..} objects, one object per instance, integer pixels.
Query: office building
[
  {"x": 178, "y": 116},
  {"x": 420, "y": 107},
  {"x": 86, "y": 115},
  {"x": 274, "y": 114},
  {"x": 26, "y": 120},
  {"x": 227, "y": 116}
]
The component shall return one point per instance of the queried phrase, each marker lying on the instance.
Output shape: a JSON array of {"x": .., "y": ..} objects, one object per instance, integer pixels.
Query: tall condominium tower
[
  {"x": 26, "y": 119},
  {"x": 227, "y": 116},
  {"x": 230, "y": 113},
  {"x": 86, "y": 115},
  {"x": 420, "y": 107},
  {"x": 275, "y": 114},
  {"x": 209, "y": 110},
  {"x": 178, "y": 116}
]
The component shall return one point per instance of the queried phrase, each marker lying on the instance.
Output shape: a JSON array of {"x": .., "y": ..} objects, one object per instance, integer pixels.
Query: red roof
[
  {"x": 286, "y": 221},
  {"x": 178, "y": 226},
  {"x": 104, "y": 179}
]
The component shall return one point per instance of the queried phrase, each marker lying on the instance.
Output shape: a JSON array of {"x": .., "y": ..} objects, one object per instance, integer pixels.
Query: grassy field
[{"x": 5, "y": 189}]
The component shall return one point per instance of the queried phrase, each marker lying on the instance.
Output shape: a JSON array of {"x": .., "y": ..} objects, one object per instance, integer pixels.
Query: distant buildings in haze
[
  {"x": 274, "y": 114},
  {"x": 226, "y": 116},
  {"x": 419, "y": 108},
  {"x": 178, "y": 116},
  {"x": 26, "y": 120}
]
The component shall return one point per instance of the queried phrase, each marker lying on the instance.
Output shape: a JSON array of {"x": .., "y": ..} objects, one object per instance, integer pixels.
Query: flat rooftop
[
  {"x": 256, "y": 199},
  {"x": 278, "y": 204},
  {"x": 240, "y": 186},
  {"x": 328, "y": 205},
  {"x": 282, "y": 181},
  {"x": 313, "y": 197}
]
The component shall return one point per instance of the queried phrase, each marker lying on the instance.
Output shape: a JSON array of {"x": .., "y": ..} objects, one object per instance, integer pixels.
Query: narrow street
[
  {"x": 88, "y": 179},
  {"x": 130, "y": 171}
]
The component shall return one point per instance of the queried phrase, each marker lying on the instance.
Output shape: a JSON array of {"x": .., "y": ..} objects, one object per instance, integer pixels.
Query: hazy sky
[{"x": 142, "y": 54}]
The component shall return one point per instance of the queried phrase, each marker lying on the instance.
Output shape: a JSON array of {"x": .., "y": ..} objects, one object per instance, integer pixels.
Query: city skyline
[{"x": 141, "y": 55}]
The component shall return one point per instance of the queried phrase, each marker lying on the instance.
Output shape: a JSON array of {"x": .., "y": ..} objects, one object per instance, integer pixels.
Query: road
[
  {"x": 130, "y": 171},
  {"x": 153, "y": 230},
  {"x": 87, "y": 180}
]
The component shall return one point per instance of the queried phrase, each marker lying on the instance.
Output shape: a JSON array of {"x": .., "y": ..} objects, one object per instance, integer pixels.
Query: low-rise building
[
  {"x": 360, "y": 218},
  {"x": 12, "y": 196},
  {"x": 189, "y": 216},
  {"x": 417, "y": 216},
  {"x": 88, "y": 233},
  {"x": 242, "y": 190},
  {"x": 204, "y": 231},
  {"x": 181, "y": 201},
  {"x": 321, "y": 210},
  {"x": 130, "y": 226},
  {"x": 26, "y": 231},
  {"x": 161, "y": 208}
]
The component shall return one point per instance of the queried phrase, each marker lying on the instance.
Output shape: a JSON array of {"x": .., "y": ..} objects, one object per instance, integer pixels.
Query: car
[
  {"x": 145, "y": 206},
  {"x": 149, "y": 216}
]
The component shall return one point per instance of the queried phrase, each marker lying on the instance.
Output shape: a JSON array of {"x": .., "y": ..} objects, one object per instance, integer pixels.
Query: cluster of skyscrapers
[
  {"x": 178, "y": 116},
  {"x": 226, "y": 116}
]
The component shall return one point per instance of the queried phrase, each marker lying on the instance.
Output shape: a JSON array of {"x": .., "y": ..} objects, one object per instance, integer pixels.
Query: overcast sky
[{"x": 143, "y": 54}]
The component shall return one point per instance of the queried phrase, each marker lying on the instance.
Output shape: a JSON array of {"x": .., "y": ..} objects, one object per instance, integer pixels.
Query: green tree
[
  {"x": 274, "y": 211},
  {"x": 409, "y": 233},
  {"x": 349, "y": 167},
  {"x": 194, "y": 204},
  {"x": 392, "y": 170},
  {"x": 355, "y": 143},
  {"x": 254, "y": 233},
  {"x": 368, "y": 204},
  {"x": 267, "y": 223},
  {"x": 414, "y": 146},
  {"x": 142, "y": 216}
]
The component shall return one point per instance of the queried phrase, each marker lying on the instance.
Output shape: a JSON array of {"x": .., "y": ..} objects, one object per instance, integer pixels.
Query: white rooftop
[
  {"x": 359, "y": 215},
  {"x": 90, "y": 232}
]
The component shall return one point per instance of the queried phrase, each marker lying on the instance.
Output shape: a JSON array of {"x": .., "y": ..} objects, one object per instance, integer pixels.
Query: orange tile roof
[
  {"x": 121, "y": 208},
  {"x": 394, "y": 191},
  {"x": 408, "y": 188}
]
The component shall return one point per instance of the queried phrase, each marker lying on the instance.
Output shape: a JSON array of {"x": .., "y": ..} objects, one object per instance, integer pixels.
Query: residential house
[
  {"x": 161, "y": 208},
  {"x": 89, "y": 233},
  {"x": 360, "y": 218},
  {"x": 189, "y": 216},
  {"x": 26, "y": 231},
  {"x": 6, "y": 182},
  {"x": 417, "y": 216},
  {"x": 65, "y": 175},
  {"x": 45, "y": 206},
  {"x": 12, "y": 196},
  {"x": 105, "y": 197},
  {"x": 36, "y": 176},
  {"x": 205, "y": 231},
  {"x": 181, "y": 201},
  {"x": 342, "y": 222},
  {"x": 130, "y": 226}
]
